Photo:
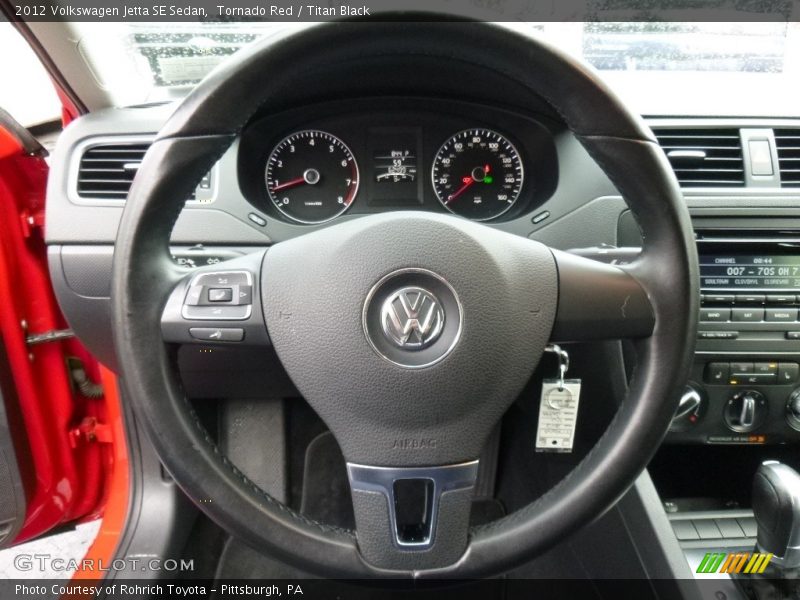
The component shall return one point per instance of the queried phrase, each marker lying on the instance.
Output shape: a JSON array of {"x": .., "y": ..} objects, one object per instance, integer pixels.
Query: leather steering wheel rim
[{"x": 204, "y": 126}]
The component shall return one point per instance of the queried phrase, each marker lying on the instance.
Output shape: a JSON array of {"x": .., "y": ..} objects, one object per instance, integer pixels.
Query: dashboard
[{"x": 516, "y": 169}]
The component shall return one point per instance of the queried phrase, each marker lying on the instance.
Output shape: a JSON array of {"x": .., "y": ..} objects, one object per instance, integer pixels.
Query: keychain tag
[
  {"x": 558, "y": 414},
  {"x": 558, "y": 408}
]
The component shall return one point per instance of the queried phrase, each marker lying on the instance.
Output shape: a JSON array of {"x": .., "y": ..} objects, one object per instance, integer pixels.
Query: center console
[
  {"x": 742, "y": 403},
  {"x": 745, "y": 382}
]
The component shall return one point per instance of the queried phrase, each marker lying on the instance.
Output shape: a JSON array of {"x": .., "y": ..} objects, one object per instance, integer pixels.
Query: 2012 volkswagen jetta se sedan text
[{"x": 491, "y": 309}]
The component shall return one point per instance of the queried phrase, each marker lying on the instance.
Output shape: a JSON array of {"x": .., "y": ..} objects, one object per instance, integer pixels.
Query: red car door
[{"x": 55, "y": 451}]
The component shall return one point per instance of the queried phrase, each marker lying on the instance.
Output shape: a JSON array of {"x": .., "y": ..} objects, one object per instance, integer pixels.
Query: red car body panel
[{"x": 63, "y": 460}]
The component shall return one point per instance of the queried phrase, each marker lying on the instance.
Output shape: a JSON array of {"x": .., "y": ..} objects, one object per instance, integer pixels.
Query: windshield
[{"x": 660, "y": 68}]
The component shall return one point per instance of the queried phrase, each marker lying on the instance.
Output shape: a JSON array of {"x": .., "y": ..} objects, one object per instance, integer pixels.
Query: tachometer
[
  {"x": 477, "y": 174},
  {"x": 312, "y": 176}
]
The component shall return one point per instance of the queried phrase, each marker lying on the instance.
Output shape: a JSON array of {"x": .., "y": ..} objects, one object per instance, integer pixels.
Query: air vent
[
  {"x": 787, "y": 142},
  {"x": 107, "y": 170},
  {"x": 704, "y": 157}
]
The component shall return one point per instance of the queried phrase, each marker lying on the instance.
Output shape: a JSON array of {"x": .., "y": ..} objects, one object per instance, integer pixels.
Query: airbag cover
[{"x": 314, "y": 292}]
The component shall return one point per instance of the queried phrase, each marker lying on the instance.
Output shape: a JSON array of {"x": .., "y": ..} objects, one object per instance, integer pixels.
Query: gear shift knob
[{"x": 776, "y": 505}]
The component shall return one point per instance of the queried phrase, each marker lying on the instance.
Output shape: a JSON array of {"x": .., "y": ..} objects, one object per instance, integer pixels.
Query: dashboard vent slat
[
  {"x": 704, "y": 157},
  {"x": 107, "y": 170},
  {"x": 787, "y": 143}
]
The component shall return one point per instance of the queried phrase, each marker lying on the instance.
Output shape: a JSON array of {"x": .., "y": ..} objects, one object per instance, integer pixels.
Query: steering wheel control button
[
  {"x": 243, "y": 294},
  {"x": 216, "y": 313},
  {"x": 216, "y": 306},
  {"x": 204, "y": 296},
  {"x": 220, "y": 295},
  {"x": 214, "y": 334},
  {"x": 412, "y": 318},
  {"x": 222, "y": 278},
  {"x": 194, "y": 296}
]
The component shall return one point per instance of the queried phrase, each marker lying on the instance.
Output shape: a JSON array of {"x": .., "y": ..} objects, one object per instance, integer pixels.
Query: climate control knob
[
  {"x": 690, "y": 409},
  {"x": 746, "y": 411},
  {"x": 793, "y": 410}
]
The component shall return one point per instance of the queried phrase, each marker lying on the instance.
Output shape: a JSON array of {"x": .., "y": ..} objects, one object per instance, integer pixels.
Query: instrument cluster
[{"x": 335, "y": 162}]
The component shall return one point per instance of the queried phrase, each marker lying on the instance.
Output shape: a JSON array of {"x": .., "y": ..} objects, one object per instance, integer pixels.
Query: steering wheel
[{"x": 409, "y": 333}]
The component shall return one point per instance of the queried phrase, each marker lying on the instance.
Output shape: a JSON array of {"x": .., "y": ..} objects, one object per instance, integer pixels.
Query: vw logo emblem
[
  {"x": 404, "y": 318},
  {"x": 412, "y": 318}
]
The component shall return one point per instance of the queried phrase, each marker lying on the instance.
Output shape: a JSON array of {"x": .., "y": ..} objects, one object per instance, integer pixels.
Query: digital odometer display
[{"x": 767, "y": 272}]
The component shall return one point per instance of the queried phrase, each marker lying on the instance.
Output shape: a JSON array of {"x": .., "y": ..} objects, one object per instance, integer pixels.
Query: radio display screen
[{"x": 749, "y": 272}]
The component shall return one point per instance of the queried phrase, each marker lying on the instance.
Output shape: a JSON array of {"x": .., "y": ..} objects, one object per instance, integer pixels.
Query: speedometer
[
  {"x": 477, "y": 174},
  {"x": 311, "y": 176}
]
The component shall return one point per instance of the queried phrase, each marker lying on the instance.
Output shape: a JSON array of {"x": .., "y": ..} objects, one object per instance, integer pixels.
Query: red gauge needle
[
  {"x": 468, "y": 181},
  {"x": 477, "y": 175},
  {"x": 290, "y": 183}
]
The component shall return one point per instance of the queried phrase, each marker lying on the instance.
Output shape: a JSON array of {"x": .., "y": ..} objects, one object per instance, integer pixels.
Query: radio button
[
  {"x": 782, "y": 315},
  {"x": 747, "y": 314},
  {"x": 717, "y": 372},
  {"x": 721, "y": 335},
  {"x": 710, "y": 315},
  {"x": 719, "y": 298},
  {"x": 778, "y": 299},
  {"x": 750, "y": 299},
  {"x": 788, "y": 372}
]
